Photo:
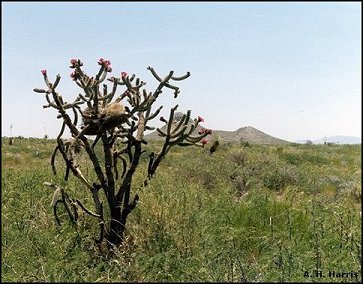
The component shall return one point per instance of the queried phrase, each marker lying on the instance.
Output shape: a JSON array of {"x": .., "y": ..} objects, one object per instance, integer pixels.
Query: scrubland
[{"x": 246, "y": 213}]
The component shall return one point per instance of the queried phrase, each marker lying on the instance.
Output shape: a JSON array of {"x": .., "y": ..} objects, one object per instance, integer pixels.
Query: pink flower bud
[
  {"x": 74, "y": 61},
  {"x": 123, "y": 74},
  {"x": 74, "y": 76},
  {"x": 204, "y": 141},
  {"x": 205, "y": 131},
  {"x": 200, "y": 119},
  {"x": 127, "y": 93},
  {"x": 44, "y": 72},
  {"x": 106, "y": 64}
]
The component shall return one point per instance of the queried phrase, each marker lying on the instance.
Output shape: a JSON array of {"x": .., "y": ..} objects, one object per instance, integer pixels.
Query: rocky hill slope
[
  {"x": 243, "y": 134},
  {"x": 249, "y": 134}
]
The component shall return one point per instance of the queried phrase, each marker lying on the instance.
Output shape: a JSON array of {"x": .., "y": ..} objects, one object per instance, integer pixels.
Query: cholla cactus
[{"x": 113, "y": 121}]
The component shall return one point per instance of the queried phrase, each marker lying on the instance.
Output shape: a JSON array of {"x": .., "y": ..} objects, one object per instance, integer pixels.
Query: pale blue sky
[{"x": 289, "y": 69}]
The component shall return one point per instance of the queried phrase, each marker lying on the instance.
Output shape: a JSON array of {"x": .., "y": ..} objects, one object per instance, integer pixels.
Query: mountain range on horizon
[
  {"x": 337, "y": 139},
  {"x": 255, "y": 136}
]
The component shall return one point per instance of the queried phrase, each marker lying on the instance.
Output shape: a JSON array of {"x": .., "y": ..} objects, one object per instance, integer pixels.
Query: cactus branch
[
  {"x": 87, "y": 210},
  {"x": 64, "y": 198}
]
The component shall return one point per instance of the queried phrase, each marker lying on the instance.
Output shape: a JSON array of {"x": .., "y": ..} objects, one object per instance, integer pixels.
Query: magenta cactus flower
[
  {"x": 204, "y": 141},
  {"x": 205, "y": 131},
  {"x": 74, "y": 76},
  {"x": 44, "y": 72},
  {"x": 106, "y": 64},
  {"x": 74, "y": 61},
  {"x": 200, "y": 119},
  {"x": 123, "y": 74}
]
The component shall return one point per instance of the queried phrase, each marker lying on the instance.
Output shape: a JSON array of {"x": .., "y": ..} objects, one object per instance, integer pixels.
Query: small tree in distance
[
  {"x": 11, "y": 135},
  {"x": 119, "y": 125}
]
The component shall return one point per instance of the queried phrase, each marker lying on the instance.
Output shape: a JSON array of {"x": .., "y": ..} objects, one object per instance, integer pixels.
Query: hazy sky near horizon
[{"x": 289, "y": 69}]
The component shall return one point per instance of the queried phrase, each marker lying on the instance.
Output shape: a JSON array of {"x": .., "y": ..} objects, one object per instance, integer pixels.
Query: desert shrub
[
  {"x": 297, "y": 158},
  {"x": 279, "y": 175},
  {"x": 262, "y": 169}
]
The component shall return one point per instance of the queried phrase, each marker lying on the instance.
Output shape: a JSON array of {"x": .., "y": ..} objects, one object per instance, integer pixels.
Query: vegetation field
[{"x": 246, "y": 213}]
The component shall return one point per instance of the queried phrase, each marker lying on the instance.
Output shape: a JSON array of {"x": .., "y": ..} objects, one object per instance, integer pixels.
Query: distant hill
[
  {"x": 243, "y": 134},
  {"x": 338, "y": 139},
  {"x": 249, "y": 134}
]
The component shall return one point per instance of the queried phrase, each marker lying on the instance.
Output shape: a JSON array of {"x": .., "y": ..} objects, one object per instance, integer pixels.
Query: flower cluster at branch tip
[
  {"x": 204, "y": 141},
  {"x": 123, "y": 74},
  {"x": 44, "y": 72},
  {"x": 205, "y": 131},
  {"x": 74, "y": 76},
  {"x": 75, "y": 62},
  {"x": 106, "y": 64},
  {"x": 127, "y": 93},
  {"x": 200, "y": 119}
]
